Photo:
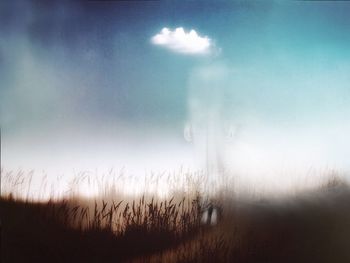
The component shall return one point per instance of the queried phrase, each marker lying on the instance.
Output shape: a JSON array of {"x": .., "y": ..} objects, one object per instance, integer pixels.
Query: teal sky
[{"x": 88, "y": 71}]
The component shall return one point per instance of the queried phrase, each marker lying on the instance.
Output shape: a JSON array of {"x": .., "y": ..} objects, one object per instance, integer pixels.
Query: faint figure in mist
[{"x": 208, "y": 128}]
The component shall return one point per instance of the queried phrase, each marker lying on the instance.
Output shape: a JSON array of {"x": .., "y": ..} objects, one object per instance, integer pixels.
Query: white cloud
[{"x": 183, "y": 42}]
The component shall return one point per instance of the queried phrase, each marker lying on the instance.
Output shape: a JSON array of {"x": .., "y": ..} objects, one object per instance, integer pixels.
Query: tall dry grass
[
  {"x": 127, "y": 225},
  {"x": 312, "y": 226}
]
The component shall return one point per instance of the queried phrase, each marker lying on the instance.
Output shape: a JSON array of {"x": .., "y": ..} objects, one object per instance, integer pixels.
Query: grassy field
[{"x": 312, "y": 226}]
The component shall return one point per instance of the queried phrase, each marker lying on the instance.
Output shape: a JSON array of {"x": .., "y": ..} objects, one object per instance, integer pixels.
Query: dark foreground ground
[{"x": 312, "y": 227}]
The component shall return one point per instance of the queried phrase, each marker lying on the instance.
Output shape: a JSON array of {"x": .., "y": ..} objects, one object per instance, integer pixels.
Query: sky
[{"x": 88, "y": 85}]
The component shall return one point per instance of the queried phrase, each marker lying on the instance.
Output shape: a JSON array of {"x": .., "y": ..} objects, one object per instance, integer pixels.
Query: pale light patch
[{"x": 88, "y": 190}]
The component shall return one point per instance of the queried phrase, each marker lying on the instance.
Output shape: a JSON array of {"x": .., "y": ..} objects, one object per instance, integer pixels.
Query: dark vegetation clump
[
  {"x": 62, "y": 231},
  {"x": 312, "y": 226}
]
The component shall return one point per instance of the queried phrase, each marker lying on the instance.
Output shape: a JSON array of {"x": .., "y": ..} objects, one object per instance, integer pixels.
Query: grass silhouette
[{"x": 310, "y": 227}]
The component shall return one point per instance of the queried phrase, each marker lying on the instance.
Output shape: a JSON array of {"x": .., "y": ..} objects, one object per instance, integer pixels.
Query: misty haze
[{"x": 149, "y": 131}]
